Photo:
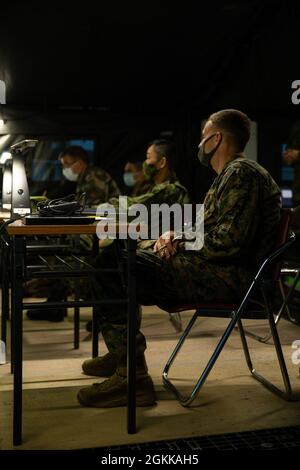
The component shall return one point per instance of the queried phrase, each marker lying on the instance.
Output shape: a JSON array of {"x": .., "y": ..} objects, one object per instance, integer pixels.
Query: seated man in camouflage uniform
[
  {"x": 95, "y": 182},
  {"x": 98, "y": 187},
  {"x": 241, "y": 216}
]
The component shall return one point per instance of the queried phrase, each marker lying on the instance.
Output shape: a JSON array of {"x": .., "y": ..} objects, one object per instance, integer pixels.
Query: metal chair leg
[
  {"x": 284, "y": 306},
  {"x": 186, "y": 401},
  {"x": 287, "y": 393}
]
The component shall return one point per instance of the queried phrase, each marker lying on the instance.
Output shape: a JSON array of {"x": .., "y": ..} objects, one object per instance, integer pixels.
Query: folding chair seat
[{"x": 269, "y": 271}]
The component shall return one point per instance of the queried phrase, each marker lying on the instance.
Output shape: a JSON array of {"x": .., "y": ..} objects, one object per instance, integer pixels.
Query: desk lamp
[
  {"x": 6, "y": 185},
  {"x": 6, "y": 164},
  {"x": 20, "y": 198}
]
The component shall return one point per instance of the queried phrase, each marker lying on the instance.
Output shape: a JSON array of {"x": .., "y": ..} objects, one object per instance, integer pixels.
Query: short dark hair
[
  {"x": 165, "y": 148},
  {"x": 235, "y": 123},
  {"x": 77, "y": 152}
]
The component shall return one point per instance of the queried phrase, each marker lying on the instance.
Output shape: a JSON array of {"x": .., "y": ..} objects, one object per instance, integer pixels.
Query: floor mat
[{"x": 263, "y": 439}]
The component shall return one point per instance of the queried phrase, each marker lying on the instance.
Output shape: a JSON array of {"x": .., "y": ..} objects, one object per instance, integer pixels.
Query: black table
[{"x": 14, "y": 248}]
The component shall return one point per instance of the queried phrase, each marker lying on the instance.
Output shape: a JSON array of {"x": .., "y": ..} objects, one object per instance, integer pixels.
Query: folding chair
[
  {"x": 286, "y": 293},
  {"x": 269, "y": 270},
  {"x": 286, "y": 296}
]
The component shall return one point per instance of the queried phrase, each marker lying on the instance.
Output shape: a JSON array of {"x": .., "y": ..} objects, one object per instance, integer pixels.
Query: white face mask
[{"x": 70, "y": 174}]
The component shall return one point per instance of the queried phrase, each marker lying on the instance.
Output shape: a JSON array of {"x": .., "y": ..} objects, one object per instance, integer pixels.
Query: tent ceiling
[{"x": 141, "y": 54}]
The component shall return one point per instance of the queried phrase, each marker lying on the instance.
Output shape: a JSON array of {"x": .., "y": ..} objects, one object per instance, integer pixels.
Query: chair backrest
[{"x": 282, "y": 237}]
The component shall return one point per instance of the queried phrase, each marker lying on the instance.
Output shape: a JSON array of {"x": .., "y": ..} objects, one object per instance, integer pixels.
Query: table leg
[
  {"x": 131, "y": 338},
  {"x": 5, "y": 291},
  {"x": 76, "y": 315},
  {"x": 95, "y": 335},
  {"x": 17, "y": 312},
  {"x": 77, "y": 296}
]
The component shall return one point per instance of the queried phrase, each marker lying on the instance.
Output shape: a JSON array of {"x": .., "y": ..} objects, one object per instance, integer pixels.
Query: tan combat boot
[
  {"x": 102, "y": 366},
  {"x": 113, "y": 391}
]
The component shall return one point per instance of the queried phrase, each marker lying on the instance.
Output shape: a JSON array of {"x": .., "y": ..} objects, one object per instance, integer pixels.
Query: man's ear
[
  {"x": 162, "y": 163},
  {"x": 218, "y": 136}
]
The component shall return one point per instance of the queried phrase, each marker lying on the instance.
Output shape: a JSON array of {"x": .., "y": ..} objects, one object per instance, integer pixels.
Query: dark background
[{"x": 126, "y": 72}]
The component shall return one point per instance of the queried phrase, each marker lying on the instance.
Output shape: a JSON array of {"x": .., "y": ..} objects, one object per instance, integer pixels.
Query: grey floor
[{"x": 230, "y": 401}]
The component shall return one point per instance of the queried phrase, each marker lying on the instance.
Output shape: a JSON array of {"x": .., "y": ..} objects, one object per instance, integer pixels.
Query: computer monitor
[
  {"x": 286, "y": 197},
  {"x": 44, "y": 165}
]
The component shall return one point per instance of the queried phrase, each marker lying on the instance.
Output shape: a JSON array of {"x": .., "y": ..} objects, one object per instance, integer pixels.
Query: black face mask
[
  {"x": 149, "y": 170},
  {"x": 205, "y": 157}
]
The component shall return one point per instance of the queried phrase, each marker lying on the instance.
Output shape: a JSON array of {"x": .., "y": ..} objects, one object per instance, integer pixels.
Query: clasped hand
[{"x": 167, "y": 245}]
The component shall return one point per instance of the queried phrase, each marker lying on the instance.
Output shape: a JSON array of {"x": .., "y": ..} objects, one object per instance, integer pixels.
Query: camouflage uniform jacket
[
  {"x": 169, "y": 192},
  {"x": 98, "y": 186},
  {"x": 241, "y": 216}
]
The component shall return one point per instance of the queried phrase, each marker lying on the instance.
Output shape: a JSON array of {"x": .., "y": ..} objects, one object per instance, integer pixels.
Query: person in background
[
  {"x": 95, "y": 182},
  {"x": 134, "y": 179},
  {"x": 98, "y": 187},
  {"x": 163, "y": 185},
  {"x": 291, "y": 156}
]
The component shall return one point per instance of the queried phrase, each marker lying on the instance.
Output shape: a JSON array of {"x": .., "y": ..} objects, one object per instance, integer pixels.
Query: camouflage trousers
[{"x": 184, "y": 278}]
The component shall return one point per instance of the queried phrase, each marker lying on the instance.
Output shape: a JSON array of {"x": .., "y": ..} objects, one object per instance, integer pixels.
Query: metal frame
[
  {"x": 15, "y": 248},
  {"x": 296, "y": 273},
  {"x": 39, "y": 249},
  {"x": 236, "y": 316},
  {"x": 284, "y": 305}
]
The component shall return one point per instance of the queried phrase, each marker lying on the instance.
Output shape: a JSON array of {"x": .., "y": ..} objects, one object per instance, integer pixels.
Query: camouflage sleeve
[
  {"x": 94, "y": 195},
  {"x": 159, "y": 194},
  {"x": 237, "y": 220},
  {"x": 98, "y": 186}
]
